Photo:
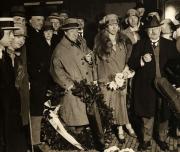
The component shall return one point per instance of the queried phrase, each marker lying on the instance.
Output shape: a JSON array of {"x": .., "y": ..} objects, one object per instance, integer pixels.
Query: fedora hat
[
  {"x": 18, "y": 11},
  {"x": 70, "y": 23},
  {"x": 152, "y": 22},
  {"x": 54, "y": 15},
  {"x": 151, "y": 12},
  {"x": 7, "y": 23}
]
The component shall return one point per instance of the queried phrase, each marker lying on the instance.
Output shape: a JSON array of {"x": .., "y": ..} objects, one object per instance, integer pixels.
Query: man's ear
[
  {"x": 1, "y": 33},
  {"x": 65, "y": 33},
  {"x": 30, "y": 20}
]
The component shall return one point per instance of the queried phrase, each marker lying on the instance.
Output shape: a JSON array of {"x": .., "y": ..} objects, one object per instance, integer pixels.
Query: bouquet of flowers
[{"x": 120, "y": 79}]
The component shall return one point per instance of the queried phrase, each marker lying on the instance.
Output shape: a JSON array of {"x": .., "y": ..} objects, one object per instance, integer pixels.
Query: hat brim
[
  {"x": 153, "y": 26},
  {"x": 54, "y": 17},
  {"x": 10, "y": 28},
  {"x": 20, "y": 35},
  {"x": 68, "y": 28}
]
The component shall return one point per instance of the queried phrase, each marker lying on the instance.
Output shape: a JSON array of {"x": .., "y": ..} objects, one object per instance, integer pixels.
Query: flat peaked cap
[
  {"x": 152, "y": 22},
  {"x": 7, "y": 23},
  {"x": 18, "y": 11},
  {"x": 132, "y": 12},
  {"x": 109, "y": 19},
  {"x": 54, "y": 15},
  {"x": 70, "y": 23}
]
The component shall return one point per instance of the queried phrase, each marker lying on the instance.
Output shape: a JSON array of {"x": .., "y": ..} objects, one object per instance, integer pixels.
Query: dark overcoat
[
  {"x": 145, "y": 94},
  {"x": 68, "y": 65},
  {"x": 38, "y": 59},
  {"x": 10, "y": 108}
]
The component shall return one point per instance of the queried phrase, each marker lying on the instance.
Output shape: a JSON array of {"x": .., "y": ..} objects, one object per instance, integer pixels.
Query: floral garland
[{"x": 90, "y": 93}]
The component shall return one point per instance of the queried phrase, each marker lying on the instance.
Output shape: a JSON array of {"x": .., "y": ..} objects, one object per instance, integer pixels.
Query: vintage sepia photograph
[{"x": 90, "y": 75}]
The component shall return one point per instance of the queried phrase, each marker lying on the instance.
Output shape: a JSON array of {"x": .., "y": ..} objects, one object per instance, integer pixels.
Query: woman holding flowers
[{"x": 112, "y": 72}]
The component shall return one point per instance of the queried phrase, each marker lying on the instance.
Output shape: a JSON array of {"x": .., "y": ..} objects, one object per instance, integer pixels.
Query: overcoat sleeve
[
  {"x": 59, "y": 73},
  {"x": 135, "y": 58}
]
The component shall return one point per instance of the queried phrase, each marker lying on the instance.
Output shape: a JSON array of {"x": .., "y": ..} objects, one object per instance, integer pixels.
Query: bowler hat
[
  {"x": 18, "y": 11},
  {"x": 37, "y": 11},
  {"x": 7, "y": 23},
  {"x": 152, "y": 22},
  {"x": 54, "y": 15},
  {"x": 70, "y": 23},
  {"x": 47, "y": 26}
]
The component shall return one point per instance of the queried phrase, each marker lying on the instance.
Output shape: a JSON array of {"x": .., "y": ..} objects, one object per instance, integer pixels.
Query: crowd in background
[{"x": 128, "y": 53}]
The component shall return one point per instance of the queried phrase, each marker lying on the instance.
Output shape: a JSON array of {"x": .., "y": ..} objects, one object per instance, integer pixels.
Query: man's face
[
  {"x": 154, "y": 33},
  {"x": 37, "y": 22},
  {"x": 72, "y": 34},
  {"x": 18, "y": 42},
  {"x": 19, "y": 20},
  {"x": 113, "y": 28},
  {"x": 141, "y": 11},
  {"x": 56, "y": 24},
  {"x": 48, "y": 34},
  {"x": 7, "y": 38},
  {"x": 133, "y": 21}
]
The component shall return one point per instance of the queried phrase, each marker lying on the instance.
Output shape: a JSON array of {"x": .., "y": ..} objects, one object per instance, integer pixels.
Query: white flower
[
  {"x": 111, "y": 149},
  {"x": 112, "y": 85},
  {"x": 127, "y": 150},
  {"x": 119, "y": 80}
]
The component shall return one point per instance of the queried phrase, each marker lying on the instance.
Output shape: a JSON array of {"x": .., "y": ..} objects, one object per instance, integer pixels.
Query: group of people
[{"x": 127, "y": 56}]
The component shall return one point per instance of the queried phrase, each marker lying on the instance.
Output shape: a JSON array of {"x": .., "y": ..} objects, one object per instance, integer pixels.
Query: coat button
[
  {"x": 87, "y": 73},
  {"x": 82, "y": 63}
]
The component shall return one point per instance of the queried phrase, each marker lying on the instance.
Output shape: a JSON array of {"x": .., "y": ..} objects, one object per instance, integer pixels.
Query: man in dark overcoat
[
  {"x": 38, "y": 67},
  {"x": 148, "y": 59},
  {"x": 11, "y": 135}
]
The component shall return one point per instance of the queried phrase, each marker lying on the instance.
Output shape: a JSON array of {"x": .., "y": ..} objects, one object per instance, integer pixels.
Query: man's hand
[{"x": 147, "y": 57}]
